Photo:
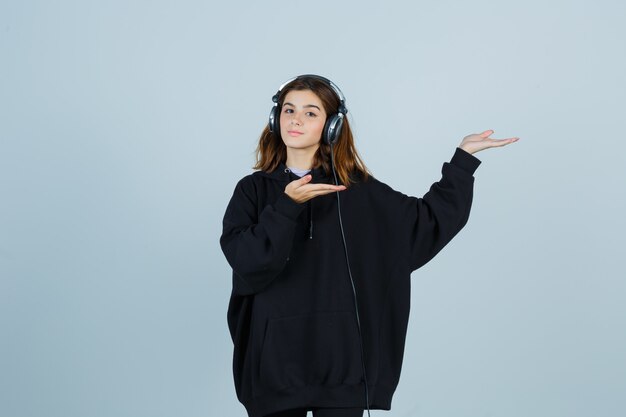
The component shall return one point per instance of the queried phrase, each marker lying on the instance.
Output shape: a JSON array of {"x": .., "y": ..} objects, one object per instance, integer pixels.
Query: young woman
[{"x": 322, "y": 254}]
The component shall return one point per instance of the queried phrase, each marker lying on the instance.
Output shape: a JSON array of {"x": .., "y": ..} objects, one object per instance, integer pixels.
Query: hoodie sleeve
[
  {"x": 257, "y": 245},
  {"x": 432, "y": 221}
]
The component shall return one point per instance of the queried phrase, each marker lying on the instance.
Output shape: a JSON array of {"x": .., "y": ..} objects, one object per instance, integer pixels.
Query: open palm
[{"x": 479, "y": 141}]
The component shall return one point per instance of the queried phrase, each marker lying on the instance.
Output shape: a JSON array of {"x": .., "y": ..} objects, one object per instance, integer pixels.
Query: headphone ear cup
[
  {"x": 274, "y": 121},
  {"x": 332, "y": 129}
]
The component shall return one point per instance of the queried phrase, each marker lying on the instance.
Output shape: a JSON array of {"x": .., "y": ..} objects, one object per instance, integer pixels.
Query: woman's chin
[{"x": 294, "y": 144}]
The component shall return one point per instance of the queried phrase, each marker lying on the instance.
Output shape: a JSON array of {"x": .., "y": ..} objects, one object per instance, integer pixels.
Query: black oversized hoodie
[{"x": 292, "y": 315}]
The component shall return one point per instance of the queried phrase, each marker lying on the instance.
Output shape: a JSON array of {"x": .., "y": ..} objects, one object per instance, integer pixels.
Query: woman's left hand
[{"x": 479, "y": 141}]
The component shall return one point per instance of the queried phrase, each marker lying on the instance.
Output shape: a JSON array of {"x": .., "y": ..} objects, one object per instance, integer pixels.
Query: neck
[{"x": 300, "y": 158}]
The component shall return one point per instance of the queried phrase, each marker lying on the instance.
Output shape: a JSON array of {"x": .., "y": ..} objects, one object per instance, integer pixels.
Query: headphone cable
[{"x": 356, "y": 308}]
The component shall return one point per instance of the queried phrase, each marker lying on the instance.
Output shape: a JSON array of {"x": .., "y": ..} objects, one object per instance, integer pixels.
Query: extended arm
[{"x": 443, "y": 211}]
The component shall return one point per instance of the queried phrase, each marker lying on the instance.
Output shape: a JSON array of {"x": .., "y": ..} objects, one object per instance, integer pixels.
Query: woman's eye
[
  {"x": 288, "y": 110},
  {"x": 311, "y": 114}
]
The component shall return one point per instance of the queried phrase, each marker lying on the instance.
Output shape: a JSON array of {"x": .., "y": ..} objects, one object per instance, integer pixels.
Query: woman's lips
[{"x": 294, "y": 133}]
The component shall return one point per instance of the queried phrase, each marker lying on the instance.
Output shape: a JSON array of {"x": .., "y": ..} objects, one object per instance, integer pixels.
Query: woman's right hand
[{"x": 300, "y": 191}]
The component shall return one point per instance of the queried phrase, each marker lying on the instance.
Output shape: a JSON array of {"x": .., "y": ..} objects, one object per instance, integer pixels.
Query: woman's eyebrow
[{"x": 308, "y": 105}]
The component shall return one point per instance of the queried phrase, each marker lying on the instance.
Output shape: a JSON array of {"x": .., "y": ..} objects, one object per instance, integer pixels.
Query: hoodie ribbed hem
[{"x": 308, "y": 396}]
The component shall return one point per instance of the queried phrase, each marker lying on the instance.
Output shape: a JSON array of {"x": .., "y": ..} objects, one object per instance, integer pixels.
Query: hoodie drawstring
[{"x": 311, "y": 219}]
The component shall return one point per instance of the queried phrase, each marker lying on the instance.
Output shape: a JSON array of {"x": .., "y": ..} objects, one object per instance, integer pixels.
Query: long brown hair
[{"x": 271, "y": 150}]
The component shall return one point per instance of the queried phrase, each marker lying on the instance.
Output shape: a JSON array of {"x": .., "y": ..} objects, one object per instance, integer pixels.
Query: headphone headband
[{"x": 342, "y": 99}]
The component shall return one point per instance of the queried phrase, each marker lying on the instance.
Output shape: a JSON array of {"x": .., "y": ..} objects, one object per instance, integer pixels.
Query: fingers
[
  {"x": 317, "y": 186},
  {"x": 489, "y": 132},
  {"x": 315, "y": 190},
  {"x": 507, "y": 140},
  {"x": 295, "y": 184},
  {"x": 479, "y": 141},
  {"x": 305, "y": 179},
  {"x": 320, "y": 189},
  {"x": 300, "y": 191},
  {"x": 496, "y": 142},
  {"x": 502, "y": 142}
]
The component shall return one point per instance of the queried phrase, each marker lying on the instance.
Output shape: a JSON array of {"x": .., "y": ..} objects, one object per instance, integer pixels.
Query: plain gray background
[{"x": 125, "y": 125}]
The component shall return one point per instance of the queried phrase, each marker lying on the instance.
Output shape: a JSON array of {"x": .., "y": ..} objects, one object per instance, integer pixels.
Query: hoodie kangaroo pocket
[{"x": 314, "y": 349}]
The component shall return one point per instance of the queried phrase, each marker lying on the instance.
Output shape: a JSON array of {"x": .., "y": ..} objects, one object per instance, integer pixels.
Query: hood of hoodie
[{"x": 284, "y": 175}]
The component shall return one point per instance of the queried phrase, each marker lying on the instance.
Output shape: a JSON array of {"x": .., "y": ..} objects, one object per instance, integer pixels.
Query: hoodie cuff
[
  {"x": 285, "y": 205},
  {"x": 465, "y": 160}
]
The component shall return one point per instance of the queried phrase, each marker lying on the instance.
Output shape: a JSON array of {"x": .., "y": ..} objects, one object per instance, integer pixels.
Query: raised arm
[{"x": 444, "y": 210}]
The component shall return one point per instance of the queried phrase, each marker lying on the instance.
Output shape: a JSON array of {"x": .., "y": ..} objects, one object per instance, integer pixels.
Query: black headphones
[{"x": 334, "y": 122}]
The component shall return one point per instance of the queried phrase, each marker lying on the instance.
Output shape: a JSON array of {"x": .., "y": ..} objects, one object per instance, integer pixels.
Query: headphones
[{"x": 334, "y": 122}]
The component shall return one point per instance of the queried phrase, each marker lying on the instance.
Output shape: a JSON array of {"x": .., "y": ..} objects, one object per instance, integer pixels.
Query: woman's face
[{"x": 302, "y": 119}]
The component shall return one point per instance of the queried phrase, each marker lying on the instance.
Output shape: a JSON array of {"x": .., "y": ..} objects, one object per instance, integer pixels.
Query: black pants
[{"x": 320, "y": 412}]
